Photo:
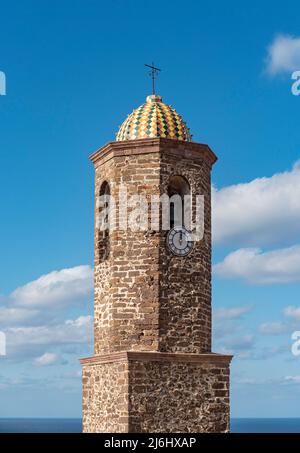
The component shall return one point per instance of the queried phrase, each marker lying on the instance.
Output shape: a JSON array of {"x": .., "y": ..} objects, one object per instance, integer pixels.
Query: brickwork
[
  {"x": 127, "y": 282},
  {"x": 165, "y": 393},
  {"x": 153, "y": 370},
  {"x": 105, "y": 397},
  {"x": 142, "y": 291},
  {"x": 185, "y": 283},
  {"x": 179, "y": 397}
]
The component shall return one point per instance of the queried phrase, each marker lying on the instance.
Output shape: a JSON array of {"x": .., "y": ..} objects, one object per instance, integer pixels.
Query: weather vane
[{"x": 153, "y": 73}]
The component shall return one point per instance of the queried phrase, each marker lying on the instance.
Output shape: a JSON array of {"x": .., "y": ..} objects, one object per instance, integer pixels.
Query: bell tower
[{"x": 153, "y": 369}]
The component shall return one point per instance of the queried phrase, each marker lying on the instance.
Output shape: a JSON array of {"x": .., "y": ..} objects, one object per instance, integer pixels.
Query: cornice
[
  {"x": 132, "y": 356},
  {"x": 188, "y": 150}
]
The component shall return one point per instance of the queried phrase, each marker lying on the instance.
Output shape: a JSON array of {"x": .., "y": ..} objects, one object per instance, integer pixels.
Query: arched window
[
  {"x": 104, "y": 220},
  {"x": 178, "y": 190}
]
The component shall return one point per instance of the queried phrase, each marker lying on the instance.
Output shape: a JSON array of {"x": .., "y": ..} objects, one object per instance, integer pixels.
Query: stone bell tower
[{"x": 153, "y": 369}]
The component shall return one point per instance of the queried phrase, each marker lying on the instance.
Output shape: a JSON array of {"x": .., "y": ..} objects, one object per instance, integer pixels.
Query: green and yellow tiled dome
[{"x": 154, "y": 119}]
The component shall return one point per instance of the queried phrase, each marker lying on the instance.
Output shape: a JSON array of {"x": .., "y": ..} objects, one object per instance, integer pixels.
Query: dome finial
[{"x": 153, "y": 73}]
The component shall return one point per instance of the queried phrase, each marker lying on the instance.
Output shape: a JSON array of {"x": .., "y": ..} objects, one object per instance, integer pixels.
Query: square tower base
[{"x": 144, "y": 392}]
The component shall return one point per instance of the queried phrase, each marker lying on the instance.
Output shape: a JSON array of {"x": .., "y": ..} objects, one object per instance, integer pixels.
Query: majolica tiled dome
[{"x": 154, "y": 119}]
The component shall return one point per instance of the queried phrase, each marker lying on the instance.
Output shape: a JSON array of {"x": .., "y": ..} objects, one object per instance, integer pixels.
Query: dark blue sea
[{"x": 73, "y": 425}]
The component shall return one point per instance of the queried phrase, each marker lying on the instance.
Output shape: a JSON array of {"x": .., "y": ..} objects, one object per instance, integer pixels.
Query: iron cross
[{"x": 153, "y": 73}]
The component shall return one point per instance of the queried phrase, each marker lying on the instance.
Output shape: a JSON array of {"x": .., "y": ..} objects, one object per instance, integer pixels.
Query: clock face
[{"x": 179, "y": 241}]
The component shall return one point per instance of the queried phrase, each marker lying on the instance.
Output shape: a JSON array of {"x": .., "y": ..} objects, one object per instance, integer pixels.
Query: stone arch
[
  {"x": 178, "y": 191},
  {"x": 104, "y": 217}
]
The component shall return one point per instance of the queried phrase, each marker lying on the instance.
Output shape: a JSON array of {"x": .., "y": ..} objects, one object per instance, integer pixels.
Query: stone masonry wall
[
  {"x": 178, "y": 397},
  {"x": 185, "y": 283},
  {"x": 153, "y": 370},
  {"x": 149, "y": 393},
  {"x": 105, "y": 397},
  {"x": 147, "y": 299},
  {"x": 127, "y": 282}
]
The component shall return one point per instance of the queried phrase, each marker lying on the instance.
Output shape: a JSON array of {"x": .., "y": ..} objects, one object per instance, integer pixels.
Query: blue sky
[{"x": 74, "y": 70}]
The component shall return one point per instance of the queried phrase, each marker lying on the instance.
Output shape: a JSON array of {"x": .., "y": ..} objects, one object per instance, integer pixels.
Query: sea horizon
[{"x": 74, "y": 425}]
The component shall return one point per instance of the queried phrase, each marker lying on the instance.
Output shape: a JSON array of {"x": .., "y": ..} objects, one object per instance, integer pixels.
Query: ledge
[
  {"x": 190, "y": 150},
  {"x": 156, "y": 357}
]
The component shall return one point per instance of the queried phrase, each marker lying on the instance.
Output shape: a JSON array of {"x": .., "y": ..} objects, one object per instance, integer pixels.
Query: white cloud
[
  {"x": 71, "y": 331},
  {"x": 292, "y": 312},
  {"x": 273, "y": 328},
  {"x": 48, "y": 358},
  {"x": 74, "y": 374},
  {"x": 240, "y": 346},
  {"x": 263, "y": 211},
  {"x": 43, "y": 301},
  {"x": 283, "y": 55},
  {"x": 254, "y": 266},
  {"x": 240, "y": 342},
  {"x": 16, "y": 315},
  {"x": 293, "y": 379},
  {"x": 33, "y": 315},
  {"x": 55, "y": 288},
  {"x": 232, "y": 313},
  {"x": 246, "y": 381},
  {"x": 269, "y": 352}
]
